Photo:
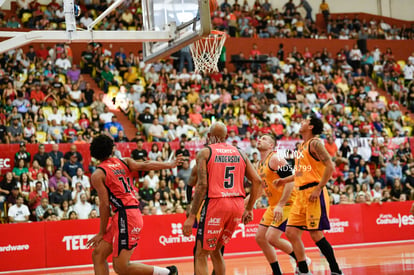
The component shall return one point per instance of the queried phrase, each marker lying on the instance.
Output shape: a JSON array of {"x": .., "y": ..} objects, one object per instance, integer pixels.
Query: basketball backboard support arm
[
  {"x": 19, "y": 39},
  {"x": 105, "y": 13}
]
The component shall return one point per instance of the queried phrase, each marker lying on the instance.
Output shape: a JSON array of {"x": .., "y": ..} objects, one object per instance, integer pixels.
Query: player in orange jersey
[
  {"x": 280, "y": 198},
  {"x": 313, "y": 169}
]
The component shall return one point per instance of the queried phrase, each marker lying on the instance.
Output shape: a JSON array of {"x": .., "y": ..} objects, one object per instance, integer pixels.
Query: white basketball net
[{"x": 206, "y": 52}]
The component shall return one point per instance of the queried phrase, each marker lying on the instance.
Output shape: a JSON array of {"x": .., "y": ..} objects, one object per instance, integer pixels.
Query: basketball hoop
[{"x": 207, "y": 50}]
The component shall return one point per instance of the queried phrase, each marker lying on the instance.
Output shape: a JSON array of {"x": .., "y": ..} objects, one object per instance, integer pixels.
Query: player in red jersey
[
  {"x": 220, "y": 175},
  {"x": 113, "y": 182}
]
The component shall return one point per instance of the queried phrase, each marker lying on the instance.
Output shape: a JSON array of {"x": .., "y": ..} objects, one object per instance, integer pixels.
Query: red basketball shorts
[
  {"x": 124, "y": 229},
  {"x": 219, "y": 218}
]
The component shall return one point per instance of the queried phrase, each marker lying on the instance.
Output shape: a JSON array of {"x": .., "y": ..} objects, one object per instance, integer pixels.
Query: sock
[
  {"x": 303, "y": 267},
  {"x": 326, "y": 249},
  {"x": 293, "y": 256},
  {"x": 275, "y": 268},
  {"x": 160, "y": 271}
]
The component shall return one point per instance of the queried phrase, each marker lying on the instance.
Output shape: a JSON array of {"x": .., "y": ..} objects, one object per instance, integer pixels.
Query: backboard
[{"x": 188, "y": 19}]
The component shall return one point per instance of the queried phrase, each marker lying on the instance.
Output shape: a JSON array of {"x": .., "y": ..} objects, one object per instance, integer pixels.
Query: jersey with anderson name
[
  {"x": 226, "y": 168},
  {"x": 118, "y": 183}
]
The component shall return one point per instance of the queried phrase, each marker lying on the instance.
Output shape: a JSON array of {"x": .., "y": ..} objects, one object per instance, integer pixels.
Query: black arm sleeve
[
  {"x": 285, "y": 171},
  {"x": 189, "y": 193}
]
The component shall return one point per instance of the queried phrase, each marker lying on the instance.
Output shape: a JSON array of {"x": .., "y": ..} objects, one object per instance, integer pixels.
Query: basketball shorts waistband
[
  {"x": 126, "y": 207},
  {"x": 308, "y": 185}
]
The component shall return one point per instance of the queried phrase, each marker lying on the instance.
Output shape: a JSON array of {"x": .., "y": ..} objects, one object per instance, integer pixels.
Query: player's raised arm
[{"x": 152, "y": 165}]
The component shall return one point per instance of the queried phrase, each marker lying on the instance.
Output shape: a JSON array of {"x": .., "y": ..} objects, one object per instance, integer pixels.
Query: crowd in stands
[
  {"x": 238, "y": 19},
  {"x": 46, "y": 100}
]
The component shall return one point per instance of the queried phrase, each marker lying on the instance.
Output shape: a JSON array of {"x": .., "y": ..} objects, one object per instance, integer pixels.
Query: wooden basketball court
[{"x": 379, "y": 258}]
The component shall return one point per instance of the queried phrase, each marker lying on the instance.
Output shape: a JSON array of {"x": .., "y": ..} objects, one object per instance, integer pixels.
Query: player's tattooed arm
[
  {"x": 201, "y": 186},
  {"x": 319, "y": 150}
]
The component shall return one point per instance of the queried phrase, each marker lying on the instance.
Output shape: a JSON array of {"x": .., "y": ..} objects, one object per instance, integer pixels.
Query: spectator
[
  {"x": 354, "y": 159},
  {"x": 73, "y": 150},
  {"x": 58, "y": 177},
  {"x": 393, "y": 171},
  {"x": 83, "y": 208},
  {"x": 182, "y": 151},
  {"x": 252, "y": 148},
  {"x": 63, "y": 210},
  {"x": 145, "y": 119},
  {"x": 331, "y": 147},
  {"x": 6, "y": 185},
  {"x": 70, "y": 133},
  {"x": 56, "y": 115},
  {"x": 146, "y": 193},
  {"x": 106, "y": 116},
  {"x": 74, "y": 74},
  {"x": 20, "y": 169},
  {"x": 70, "y": 167},
  {"x": 42, "y": 209},
  {"x": 114, "y": 127},
  {"x": 397, "y": 190},
  {"x": 156, "y": 131},
  {"x": 152, "y": 179},
  {"x": 63, "y": 63},
  {"x": 36, "y": 196},
  {"x": 19, "y": 212},
  {"x": 15, "y": 132},
  {"x": 55, "y": 132},
  {"x": 121, "y": 137},
  {"x": 184, "y": 172},
  {"x": 60, "y": 195},
  {"x": 41, "y": 156},
  {"x": 73, "y": 215},
  {"x": 81, "y": 178},
  {"x": 139, "y": 153},
  {"x": 57, "y": 156},
  {"x": 155, "y": 152}
]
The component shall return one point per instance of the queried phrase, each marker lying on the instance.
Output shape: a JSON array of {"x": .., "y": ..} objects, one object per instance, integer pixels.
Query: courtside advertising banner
[
  {"x": 63, "y": 243},
  {"x": 162, "y": 237},
  {"x": 66, "y": 242},
  {"x": 387, "y": 222},
  {"x": 22, "y": 246}
]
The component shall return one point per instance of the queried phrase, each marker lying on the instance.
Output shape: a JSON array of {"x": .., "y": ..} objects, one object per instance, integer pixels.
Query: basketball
[{"x": 213, "y": 6}]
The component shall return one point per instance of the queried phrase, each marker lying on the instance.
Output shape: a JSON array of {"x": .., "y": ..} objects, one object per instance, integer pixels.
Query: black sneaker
[{"x": 173, "y": 270}]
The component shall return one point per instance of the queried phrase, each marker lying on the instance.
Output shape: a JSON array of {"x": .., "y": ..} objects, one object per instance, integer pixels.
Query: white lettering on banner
[
  {"x": 401, "y": 220},
  {"x": 214, "y": 221},
  {"x": 337, "y": 226},
  {"x": 176, "y": 236},
  {"x": 246, "y": 231},
  {"x": 77, "y": 242},
  {"x": 17, "y": 247},
  {"x": 4, "y": 163}
]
